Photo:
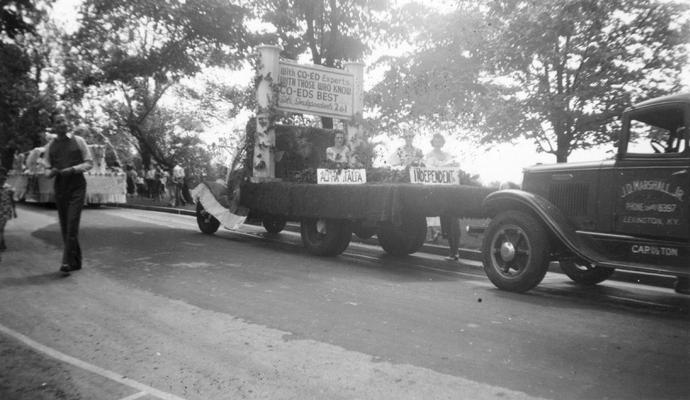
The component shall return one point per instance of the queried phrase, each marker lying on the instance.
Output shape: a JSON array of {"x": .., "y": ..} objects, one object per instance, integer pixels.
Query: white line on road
[
  {"x": 135, "y": 396},
  {"x": 89, "y": 367}
]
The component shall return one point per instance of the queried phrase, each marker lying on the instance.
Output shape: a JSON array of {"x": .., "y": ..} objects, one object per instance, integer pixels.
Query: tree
[
  {"x": 331, "y": 31},
  {"x": 23, "y": 115},
  {"x": 18, "y": 17},
  {"x": 435, "y": 85},
  {"x": 557, "y": 72},
  {"x": 137, "y": 51}
]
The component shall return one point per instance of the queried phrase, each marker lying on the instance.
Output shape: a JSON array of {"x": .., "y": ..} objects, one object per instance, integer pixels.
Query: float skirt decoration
[
  {"x": 214, "y": 198},
  {"x": 107, "y": 188}
]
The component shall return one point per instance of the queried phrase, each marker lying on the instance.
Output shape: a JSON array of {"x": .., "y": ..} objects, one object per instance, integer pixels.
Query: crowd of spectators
[{"x": 158, "y": 184}]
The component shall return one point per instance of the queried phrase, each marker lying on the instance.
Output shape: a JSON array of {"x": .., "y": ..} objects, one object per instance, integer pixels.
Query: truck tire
[
  {"x": 584, "y": 274},
  {"x": 325, "y": 237},
  {"x": 515, "y": 251},
  {"x": 208, "y": 224},
  {"x": 273, "y": 223},
  {"x": 404, "y": 239}
]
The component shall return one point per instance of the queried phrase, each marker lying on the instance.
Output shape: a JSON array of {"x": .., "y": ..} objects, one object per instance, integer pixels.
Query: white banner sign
[
  {"x": 341, "y": 176},
  {"x": 435, "y": 176},
  {"x": 316, "y": 90}
]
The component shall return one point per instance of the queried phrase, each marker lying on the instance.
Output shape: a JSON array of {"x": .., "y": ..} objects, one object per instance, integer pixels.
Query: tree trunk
[
  {"x": 561, "y": 157},
  {"x": 562, "y": 142},
  {"x": 145, "y": 156}
]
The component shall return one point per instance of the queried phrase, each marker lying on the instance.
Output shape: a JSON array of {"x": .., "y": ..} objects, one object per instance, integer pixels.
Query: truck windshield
[{"x": 657, "y": 131}]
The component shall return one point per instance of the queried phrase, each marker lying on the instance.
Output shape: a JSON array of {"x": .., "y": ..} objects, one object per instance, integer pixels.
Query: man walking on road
[{"x": 66, "y": 158}]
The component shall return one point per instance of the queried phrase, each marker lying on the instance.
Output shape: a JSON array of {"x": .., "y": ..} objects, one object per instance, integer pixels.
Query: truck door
[{"x": 652, "y": 177}]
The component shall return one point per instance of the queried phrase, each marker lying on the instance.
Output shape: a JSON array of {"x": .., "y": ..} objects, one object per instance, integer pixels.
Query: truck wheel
[
  {"x": 404, "y": 239},
  {"x": 515, "y": 251},
  {"x": 208, "y": 224},
  {"x": 273, "y": 224},
  {"x": 325, "y": 237},
  {"x": 584, "y": 273}
]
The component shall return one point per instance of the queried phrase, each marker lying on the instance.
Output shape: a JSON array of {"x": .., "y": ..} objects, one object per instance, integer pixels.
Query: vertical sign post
[
  {"x": 265, "y": 139},
  {"x": 355, "y": 133}
]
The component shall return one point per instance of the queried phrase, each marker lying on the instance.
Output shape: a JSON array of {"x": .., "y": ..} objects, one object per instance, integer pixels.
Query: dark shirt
[{"x": 68, "y": 152}]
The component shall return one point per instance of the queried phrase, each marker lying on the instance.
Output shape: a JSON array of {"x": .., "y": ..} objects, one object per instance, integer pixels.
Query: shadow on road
[
  {"x": 568, "y": 295},
  {"x": 41, "y": 279}
]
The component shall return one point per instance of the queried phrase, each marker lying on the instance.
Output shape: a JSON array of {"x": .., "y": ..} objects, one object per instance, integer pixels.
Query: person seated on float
[
  {"x": 437, "y": 158},
  {"x": 450, "y": 225},
  {"x": 339, "y": 153},
  {"x": 406, "y": 155}
]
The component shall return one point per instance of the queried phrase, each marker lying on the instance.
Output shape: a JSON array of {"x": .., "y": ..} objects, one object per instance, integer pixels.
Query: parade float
[
  {"x": 628, "y": 213},
  {"x": 104, "y": 184},
  {"x": 283, "y": 173}
]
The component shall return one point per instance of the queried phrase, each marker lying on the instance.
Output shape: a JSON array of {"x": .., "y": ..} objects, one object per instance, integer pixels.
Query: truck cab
[{"x": 630, "y": 212}]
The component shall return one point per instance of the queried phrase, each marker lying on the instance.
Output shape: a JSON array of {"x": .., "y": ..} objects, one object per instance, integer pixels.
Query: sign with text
[
  {"x": 312, "y": 89},
  {"x": 435, "y": 176},
  {"x": 341, "y": 176}
]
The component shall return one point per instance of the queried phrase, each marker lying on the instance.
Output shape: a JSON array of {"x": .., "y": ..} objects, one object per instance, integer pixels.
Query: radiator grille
[{"x": 571, "y": 198}]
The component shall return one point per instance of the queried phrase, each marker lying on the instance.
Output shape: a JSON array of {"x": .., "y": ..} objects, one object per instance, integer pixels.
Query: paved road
[{"x": 162, "y": 311}]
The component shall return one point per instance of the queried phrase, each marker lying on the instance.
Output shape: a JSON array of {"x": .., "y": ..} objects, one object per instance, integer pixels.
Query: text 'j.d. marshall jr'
[{"x": 629, "y": 212}]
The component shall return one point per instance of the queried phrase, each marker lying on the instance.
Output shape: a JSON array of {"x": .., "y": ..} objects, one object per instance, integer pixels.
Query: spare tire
[
  {"x": 325, "y": 237},
  {"x": 403, "y": 239},
  {"x": 273, "y": 223},
  {"x": 208, "y": 224},
  {"x": 584, "y": 273}
]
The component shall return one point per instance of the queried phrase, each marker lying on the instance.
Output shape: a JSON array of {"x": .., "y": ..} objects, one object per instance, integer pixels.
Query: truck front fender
[{"x": 552, "y": 218}]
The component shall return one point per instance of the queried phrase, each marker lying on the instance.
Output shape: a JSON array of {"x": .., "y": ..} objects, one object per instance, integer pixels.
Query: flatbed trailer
[{"x": 329, "y": 214}]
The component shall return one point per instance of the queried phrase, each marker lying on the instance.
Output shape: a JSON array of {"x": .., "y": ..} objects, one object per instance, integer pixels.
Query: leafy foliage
[
  {"x": 18, "y": 17},
  {"x": 139, "y": 50},
  {"x": 331, "y": 31},
  {"x": 556, "y": 72},
  {"x": 24, "y": 107}
]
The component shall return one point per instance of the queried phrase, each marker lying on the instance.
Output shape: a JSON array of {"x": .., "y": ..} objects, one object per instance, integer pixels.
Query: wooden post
[
  {"x": 355, "y": 133},
  {"x": 265, "y": 140}
]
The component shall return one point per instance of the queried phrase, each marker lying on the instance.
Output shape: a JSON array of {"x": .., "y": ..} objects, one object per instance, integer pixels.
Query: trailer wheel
[
  {"x": 273, "y": 223},
  {"x": 325, "y": 237},
  {"x": 404, "y": 239},
  {"x": 584, "y": 273},
  {"x": 515, "y": 251},
  {"x": 208, "y": 224}
]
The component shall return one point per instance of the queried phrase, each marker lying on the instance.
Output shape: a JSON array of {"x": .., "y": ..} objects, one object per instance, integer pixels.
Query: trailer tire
[
  {"x": 208, "y": 224},
  {"x": 404, "y": 239},
  {"x": 515, "y": 251},
  {"x": 325, "y": 237},
  {"x": 584, "y": 273},
  {"x": 273, "y": 223}
]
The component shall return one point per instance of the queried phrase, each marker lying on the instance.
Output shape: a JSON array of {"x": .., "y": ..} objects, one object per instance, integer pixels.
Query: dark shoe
[
  {"x": 682, "y": 285},
  {"x": 453, "y": 258},
  {"x": 66, "y": 269}
]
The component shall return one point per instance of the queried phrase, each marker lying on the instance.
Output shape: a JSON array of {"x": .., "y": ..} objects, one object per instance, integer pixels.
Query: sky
[{"x": 498, "y": 163}]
